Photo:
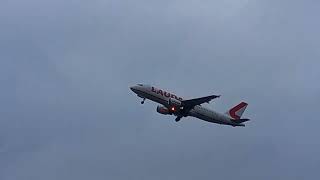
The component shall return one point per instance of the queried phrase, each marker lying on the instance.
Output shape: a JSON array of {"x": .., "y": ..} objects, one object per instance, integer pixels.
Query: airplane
[{"x": 179, "y": 107}]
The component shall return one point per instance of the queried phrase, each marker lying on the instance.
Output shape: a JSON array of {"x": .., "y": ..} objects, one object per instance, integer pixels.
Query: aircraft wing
[{"x": 198, "y": 101}]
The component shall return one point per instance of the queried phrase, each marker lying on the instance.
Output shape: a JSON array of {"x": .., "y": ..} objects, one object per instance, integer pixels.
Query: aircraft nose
[{"x": 135, "y": 88}]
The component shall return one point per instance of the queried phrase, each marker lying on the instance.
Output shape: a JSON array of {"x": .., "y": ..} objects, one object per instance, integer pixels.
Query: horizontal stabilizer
[{"x": 241, "y": 120}]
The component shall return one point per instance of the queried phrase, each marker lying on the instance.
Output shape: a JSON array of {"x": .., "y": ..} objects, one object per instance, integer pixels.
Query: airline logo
[
  {"x": 238, "y": 110},
  {"x": 165, "y": 94}
]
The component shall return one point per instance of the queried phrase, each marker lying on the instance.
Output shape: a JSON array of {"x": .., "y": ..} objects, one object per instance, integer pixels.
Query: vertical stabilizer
[{"x": 236, "y": 112}]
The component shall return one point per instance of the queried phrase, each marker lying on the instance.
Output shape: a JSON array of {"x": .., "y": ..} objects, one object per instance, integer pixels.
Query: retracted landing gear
[{"x": 142, "y": 102}]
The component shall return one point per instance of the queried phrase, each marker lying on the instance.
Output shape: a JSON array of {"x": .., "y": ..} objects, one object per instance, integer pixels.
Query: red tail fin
[{"x": 237, "y": 111}]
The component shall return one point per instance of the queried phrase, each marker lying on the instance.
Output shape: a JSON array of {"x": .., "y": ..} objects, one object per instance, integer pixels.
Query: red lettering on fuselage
[
  {"x": 165, "y": 93},
  {"x": 160, "y": 92},
  {"x": 174, "y": 96},
  {"x": 154, "y": 90}
]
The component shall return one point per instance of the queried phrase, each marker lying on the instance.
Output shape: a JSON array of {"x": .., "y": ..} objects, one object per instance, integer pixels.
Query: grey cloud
[{"x": 67, "y": 112}]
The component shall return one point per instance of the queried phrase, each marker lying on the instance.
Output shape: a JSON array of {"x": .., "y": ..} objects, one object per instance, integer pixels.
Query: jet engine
[
  {"x": 175, "y": 103},
  {"x": 163, "y": 110}
]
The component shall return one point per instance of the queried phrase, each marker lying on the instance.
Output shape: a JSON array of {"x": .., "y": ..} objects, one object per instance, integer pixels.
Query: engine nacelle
[
  {"x": 175, "y": 103},
  {"x": 163, "y": 110}
]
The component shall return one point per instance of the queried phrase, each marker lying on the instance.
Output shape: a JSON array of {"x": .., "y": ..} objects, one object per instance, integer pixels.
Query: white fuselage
[{"x": 162, "y": 97}]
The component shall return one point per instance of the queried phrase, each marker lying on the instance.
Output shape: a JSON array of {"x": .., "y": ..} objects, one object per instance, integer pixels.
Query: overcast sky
[{"x": 67, "y": 112}]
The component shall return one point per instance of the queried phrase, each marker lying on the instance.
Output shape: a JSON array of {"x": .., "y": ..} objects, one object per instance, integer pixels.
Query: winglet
[{"x": 215, "y": 96}]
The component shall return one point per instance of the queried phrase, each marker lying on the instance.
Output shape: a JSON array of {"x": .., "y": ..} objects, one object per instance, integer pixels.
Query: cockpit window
[{"x": 140, "y": 85}]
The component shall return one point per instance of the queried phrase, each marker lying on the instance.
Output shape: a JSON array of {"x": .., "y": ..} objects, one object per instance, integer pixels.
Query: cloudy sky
[{"x": 67, "y": 112}]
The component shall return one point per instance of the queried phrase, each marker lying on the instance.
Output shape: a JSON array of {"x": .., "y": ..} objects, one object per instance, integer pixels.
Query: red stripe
[{"x": 233, "y": 111}]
